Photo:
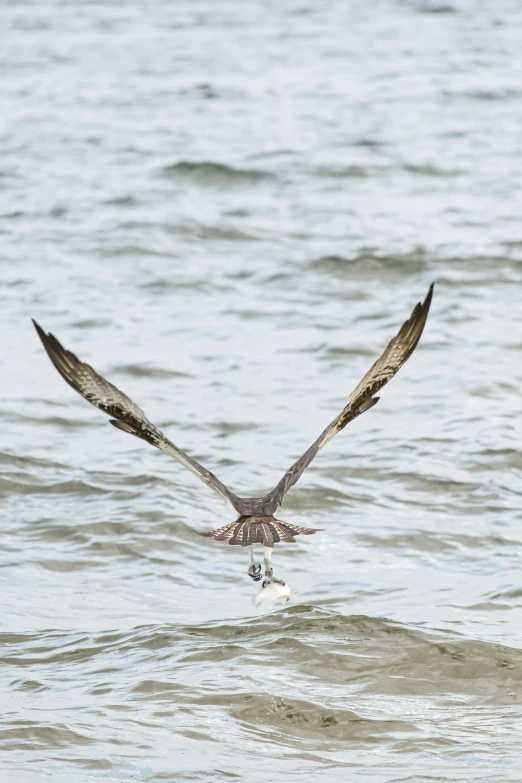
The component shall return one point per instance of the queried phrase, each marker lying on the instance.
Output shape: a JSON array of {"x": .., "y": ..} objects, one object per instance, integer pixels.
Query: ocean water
[{"x": 228, "y": 209}]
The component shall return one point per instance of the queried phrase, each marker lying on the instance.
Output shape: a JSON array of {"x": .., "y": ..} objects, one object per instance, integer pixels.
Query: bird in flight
[{"x": 255, "y": 522}]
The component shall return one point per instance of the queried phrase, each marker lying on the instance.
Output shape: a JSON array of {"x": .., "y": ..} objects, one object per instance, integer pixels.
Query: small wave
[
  {"x": 75, "y": 488},
  {"x": 430, "y": 171},
  {"x": 511, "y": 594},
  {"x": 442, "y": 8},
  {"x": 29, "y": 685},
  {"x": 209, "y": 173},
  {"x": 347, "y": 171},
  {"x": 305, "y": 718},
  {"x": 89, "y": 323},
  {"x": 223, "y": 231},
  {"x": 367, "y": 141},
  {"x": 29, "y": 735},
  {"x": 146, "y": 371},
  {"x": 484, "y": 94},
  {"x": 184, "y": 228},
  {"x": 29, "y": 462},
  {"x": 226, "y": 428},
  {"x": 55, "y": 421},
  {"x": 122, "y": 201},
  {"x": 67, "y": 566},
  {"x": 366, "y": 263}
]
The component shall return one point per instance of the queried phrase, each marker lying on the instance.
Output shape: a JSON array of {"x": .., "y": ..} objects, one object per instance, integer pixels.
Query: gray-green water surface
[{"x": 228, "y": 209}]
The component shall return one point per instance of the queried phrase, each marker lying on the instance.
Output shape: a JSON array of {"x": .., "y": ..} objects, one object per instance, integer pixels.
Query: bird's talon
[
  {"x": 254, "y": 572},
  {"x": 272, "y": 579}
]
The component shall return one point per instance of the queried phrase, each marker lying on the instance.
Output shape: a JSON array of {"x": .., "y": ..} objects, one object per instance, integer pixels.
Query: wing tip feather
[{"x": 40, "y": 332}]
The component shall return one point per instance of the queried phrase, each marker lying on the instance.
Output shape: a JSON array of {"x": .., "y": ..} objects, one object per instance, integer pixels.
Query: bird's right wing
[
  {"x": 127, "y": 415},
  {"x": 398, "y": 350}
]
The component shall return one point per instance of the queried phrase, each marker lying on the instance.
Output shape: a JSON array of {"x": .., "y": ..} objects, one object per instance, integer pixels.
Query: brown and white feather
[
  {"x": 398, "y": 350},
  {"x": 127, "y": 416},
  {"x": 256, "y": 523},
  {"x": 265, "y": 530}
]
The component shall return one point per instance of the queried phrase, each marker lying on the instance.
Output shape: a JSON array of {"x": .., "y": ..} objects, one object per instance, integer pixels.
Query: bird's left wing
[
  {"x": 398, "y": 350},
  {"x": 127, "y": 415}
]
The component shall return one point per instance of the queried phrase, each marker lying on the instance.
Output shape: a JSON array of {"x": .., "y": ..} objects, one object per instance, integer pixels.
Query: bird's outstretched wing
[
  {"x": 127, "y": 415},
  {"x": 398, "y": 350}
]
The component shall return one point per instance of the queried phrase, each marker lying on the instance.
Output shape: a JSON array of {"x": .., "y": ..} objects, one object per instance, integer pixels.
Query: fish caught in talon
[{"x": 271, "y": 592}]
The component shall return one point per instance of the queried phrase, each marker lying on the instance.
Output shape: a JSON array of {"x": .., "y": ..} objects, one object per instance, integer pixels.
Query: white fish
[{"x": 271, "y": 593}]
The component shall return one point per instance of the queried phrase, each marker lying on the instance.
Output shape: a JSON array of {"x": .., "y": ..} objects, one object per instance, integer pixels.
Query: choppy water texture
[{"x": 229, "y": 208}]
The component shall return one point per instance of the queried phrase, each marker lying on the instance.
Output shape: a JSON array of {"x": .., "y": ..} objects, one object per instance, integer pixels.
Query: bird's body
[{"x": 255, "y": 522}]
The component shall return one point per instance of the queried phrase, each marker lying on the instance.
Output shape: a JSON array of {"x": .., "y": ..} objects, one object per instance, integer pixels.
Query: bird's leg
[
  {"x": 268, "y": 558},
  {"x": 254, "y": 569},
  {"x": 269, "y": 574}
]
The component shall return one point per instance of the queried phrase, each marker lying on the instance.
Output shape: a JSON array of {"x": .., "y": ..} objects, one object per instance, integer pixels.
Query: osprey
[{"x": 255, "y": 522}]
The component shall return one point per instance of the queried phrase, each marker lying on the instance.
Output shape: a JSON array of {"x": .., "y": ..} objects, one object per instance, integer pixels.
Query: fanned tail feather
[
  {"x": 221, "y": 533},
  {"x": 268, "y": 531}
]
